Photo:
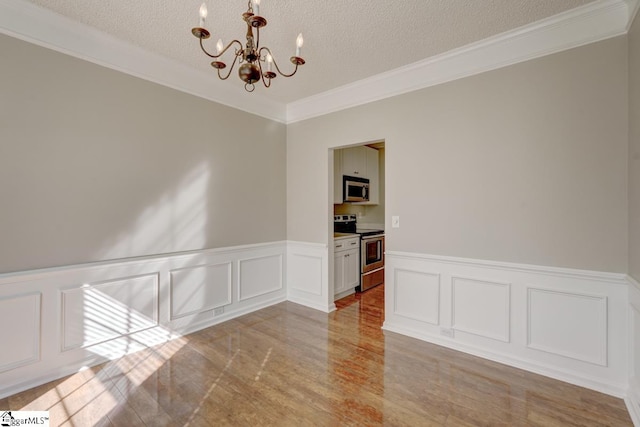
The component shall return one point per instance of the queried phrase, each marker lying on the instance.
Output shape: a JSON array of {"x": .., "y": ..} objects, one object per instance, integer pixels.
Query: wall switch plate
[{"x": 395, "y": 222}]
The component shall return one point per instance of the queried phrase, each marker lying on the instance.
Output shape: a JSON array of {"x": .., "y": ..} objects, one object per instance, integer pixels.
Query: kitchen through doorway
[{"x": 359, "y": 226}]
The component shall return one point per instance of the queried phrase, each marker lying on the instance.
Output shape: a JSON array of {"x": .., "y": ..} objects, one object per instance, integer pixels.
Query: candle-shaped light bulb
[
  {"x": 299, "y": 43},
  {"x": 256, "y": 7},
  {"x": 219, "y": 46},
  {"x": 203, "y": 14},
  {"x": 269, "y": 61}
]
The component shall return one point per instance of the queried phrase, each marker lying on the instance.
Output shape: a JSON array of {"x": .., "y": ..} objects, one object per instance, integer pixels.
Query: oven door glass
[{"x": 372, "y": 253}]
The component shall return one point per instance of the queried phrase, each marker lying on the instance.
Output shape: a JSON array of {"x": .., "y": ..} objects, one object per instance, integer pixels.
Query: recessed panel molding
[
  {"x": 481, "y": 307},
  {"x": 417, "y": 295},
  {"x": 200, "y": 288},
  {"x": 20, "y": 334},
  {"x": 259, "y": 276},
  {"x": 572, "y": 325}
]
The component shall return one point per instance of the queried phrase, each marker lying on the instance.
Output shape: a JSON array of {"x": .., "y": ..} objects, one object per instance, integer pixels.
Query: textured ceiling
[{"x": 345, "y": 41}]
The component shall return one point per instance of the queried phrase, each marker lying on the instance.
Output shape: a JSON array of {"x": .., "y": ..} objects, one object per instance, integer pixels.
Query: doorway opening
[{"x": 358, "y": 224}]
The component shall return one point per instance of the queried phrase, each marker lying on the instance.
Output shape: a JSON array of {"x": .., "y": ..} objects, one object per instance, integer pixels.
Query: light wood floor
[{"x": 288, "y": 365}]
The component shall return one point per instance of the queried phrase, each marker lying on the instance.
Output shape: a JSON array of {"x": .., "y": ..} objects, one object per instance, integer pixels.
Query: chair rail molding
[
  {"x": 567, "y": 324},
  {"x": 77, "y": 316}
]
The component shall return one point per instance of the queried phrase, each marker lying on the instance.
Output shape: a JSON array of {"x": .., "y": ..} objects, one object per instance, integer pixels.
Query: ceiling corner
[
  {"x": 25, "y": 21},
  {"x": 583, "y": 25}
]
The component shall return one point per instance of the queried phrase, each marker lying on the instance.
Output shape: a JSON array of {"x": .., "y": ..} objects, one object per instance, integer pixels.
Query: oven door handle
[{"x": 379, "y": 236}]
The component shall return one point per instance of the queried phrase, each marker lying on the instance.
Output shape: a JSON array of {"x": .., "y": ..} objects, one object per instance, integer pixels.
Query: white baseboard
[
  {"x": 327, "y": 308},
  {"x": 344, "y": 294},
  {"x": 159, "y": 299},
  {"x": 563, "y": 323},
  {"x": 424, "y": 295},
  {"x": 548, "y": 371},
  {"x": 632, "y": 400}
]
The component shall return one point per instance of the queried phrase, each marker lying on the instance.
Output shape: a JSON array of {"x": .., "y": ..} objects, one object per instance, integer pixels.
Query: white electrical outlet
[
  {"x": 395, "y": 222},
  {"x": 218, "y": 311}
]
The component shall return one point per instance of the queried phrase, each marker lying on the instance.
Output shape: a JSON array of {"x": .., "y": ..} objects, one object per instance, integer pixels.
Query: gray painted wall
[
  {"x": 634, "y": 150},
  {"x": 97, "y": 165},
  {"x": 525, "y": 164}
]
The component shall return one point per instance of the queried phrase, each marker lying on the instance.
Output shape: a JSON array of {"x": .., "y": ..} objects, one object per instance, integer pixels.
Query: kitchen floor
[{"x": 288, "y": 365}]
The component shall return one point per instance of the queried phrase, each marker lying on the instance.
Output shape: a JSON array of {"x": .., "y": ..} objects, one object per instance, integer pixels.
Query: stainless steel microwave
[{"x": 356, "y": 189}]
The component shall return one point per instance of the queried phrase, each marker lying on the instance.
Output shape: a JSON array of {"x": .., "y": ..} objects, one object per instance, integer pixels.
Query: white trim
[
  {"x": 436, "y": 315},
  {"x": 615, "y": 278},
  {"x": 632, "y": 401},
  {"x": 35, "y": 349},
  {"x": 601, "y": 299},
  {"x": 43, "y": 27},
  {"x": 587, "y": 24},
  {"x": 504, "y": 338},
  {"x": 65, "y": 292},
  {"x": 602, "y": 365},
  {"x": 29, "y": 275},
  {"x": 319, "y": 297},
  {"x": 633, "y": 5},
  {"x": 618, "y": 390},
  {"x": 241, "y": 296},
  {"x": 172, "y": 313},
  {"x": 57, "y": 357}
]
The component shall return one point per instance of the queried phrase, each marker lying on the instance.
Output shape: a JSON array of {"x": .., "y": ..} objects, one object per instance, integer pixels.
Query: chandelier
[{"x": 256, "y": 62}]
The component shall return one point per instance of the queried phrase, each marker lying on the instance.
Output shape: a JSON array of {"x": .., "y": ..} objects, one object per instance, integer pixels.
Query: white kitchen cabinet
[
  {"x": 373, "y": 173},
  {"x": 338, "y": 196},
  {"x": 354, "y": 161},
  {"x": 346, "y": 257}
]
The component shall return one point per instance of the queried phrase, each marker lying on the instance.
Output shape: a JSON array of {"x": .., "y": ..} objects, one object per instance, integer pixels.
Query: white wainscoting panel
[
  {"x": 568, "y": 324},
  {"x": 20, "y": 333},
  {"x": 99, "y": 312},
  {"x": 417, "y": 295},
  {"x": 632, "y": 398},
  {"x": 491, "y": 318},
  {"x": 77, "y": 316},
  {"x": 200, "y": 288},
  {"x": 259, "y": 276},
  {"x": 308, "y": 275}
]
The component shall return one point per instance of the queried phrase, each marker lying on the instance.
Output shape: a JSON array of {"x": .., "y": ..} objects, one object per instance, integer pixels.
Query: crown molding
[
  {"x": 43, "y": 27},
  {"x": 634, "y": 5},
  {"x": 587, "y": 24}
]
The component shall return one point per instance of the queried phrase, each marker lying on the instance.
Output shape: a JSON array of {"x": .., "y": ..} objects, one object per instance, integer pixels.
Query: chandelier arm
[
  {"x": 222, "y": 52},
  {"x": 235, "y": 60},
  {"x": 276, "y": 64},
  {"x": 265, "y": 82}
]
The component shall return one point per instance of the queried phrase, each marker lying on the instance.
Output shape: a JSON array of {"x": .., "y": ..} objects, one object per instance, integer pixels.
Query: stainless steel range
[{"x": 371, "y": 250}]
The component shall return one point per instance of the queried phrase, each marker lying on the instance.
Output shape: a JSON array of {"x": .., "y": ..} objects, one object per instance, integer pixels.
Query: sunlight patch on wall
[{"x": 175, "y": 222}]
